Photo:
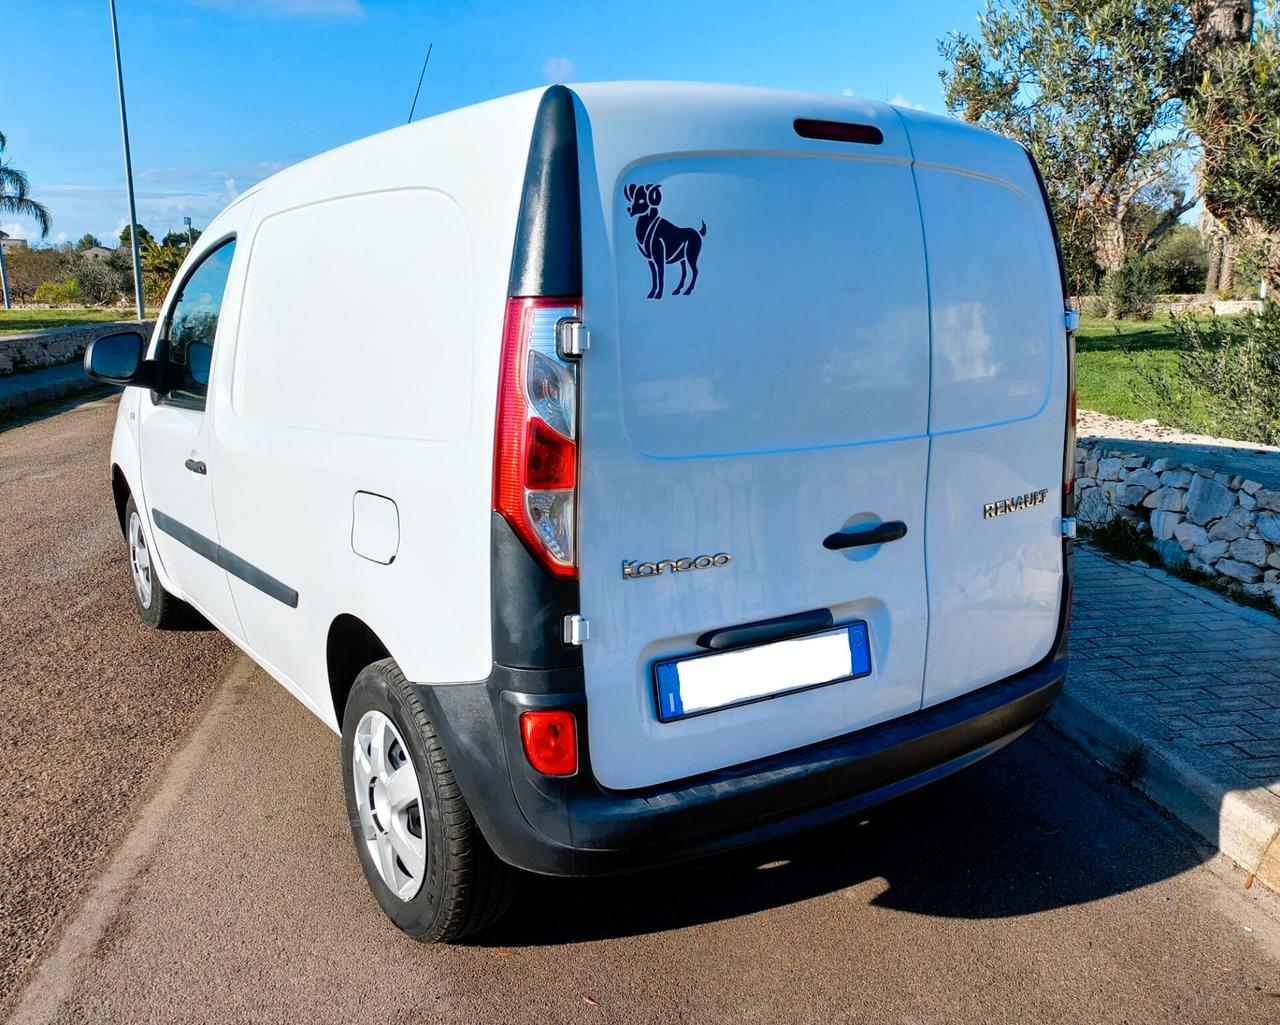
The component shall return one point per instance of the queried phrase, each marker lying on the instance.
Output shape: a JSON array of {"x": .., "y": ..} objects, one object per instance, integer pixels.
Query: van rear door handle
[
  {"x": 196, "y": 466},
  {"x": 888, "y": 531}
]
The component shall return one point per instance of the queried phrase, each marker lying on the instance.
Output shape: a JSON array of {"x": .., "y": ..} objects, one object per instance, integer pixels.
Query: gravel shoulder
[
  {"x": 94, "y": 703},
  {"x": 1091, "y": 424}
]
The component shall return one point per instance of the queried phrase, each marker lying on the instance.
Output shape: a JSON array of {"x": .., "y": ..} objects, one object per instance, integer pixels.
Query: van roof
[{"x": 734, "y": 114}]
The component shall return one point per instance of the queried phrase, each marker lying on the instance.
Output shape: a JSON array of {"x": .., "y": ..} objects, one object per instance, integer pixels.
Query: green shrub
[
  {"x": 63, "y": 293},
  {"x": 1228, "y": 378},
  {"x": 103, "y": 279},
  {"x": 1180, "y": 261},
  {"x": 1129, "y": 290}
]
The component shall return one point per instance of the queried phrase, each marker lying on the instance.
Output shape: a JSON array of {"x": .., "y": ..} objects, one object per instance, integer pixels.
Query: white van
[{"x": 627, "y": 473}]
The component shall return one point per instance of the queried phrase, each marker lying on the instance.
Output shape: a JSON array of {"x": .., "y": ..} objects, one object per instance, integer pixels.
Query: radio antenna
[{"x": 420, "y": 78}]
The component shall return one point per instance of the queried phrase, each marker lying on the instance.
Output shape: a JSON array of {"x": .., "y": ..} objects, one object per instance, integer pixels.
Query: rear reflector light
[
  {"x": 550, "y": 742},
  {"x": 535, "y": 474}
]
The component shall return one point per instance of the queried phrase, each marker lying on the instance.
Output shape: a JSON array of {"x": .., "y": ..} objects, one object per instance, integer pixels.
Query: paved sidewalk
[{"x": 1178, "y": 690}]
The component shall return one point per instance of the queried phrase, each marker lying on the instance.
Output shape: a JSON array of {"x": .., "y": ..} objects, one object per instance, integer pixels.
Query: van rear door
[
  {"x": 778, "y": 398},
  {"x": 998, "y": 408}
]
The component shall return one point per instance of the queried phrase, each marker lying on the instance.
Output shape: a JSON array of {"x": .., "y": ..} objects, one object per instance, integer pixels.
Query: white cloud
[
  {"x": 16, "y": 229},
  {"x": 291, "y": 8},
  {"x": 846, "y": 92},
  {"x": 229, "y": 187},
  {"x": 558, "y": 69},
  {"x": 901, "y": 101}
]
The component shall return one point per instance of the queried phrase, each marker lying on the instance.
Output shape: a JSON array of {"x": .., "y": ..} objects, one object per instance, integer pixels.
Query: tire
[
  {"x": 461, "y": 886},
  {"x": 157, "y": 607}
]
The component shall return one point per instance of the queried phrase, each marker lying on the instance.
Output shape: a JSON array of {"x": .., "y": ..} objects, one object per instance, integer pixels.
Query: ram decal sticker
[{"x": 662, "y": 242}]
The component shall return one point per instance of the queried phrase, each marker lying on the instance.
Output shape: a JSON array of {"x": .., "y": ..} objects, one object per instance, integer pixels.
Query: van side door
[{"x": 173, "y": 434}]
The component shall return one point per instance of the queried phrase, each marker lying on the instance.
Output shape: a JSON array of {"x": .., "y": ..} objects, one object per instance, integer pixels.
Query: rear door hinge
[
  {"x": 1072, "y": 318},
  {"x": 577, "y": 628},
  {"x": 571, "y": 337},
  {"x": 1068, "y": 526}
]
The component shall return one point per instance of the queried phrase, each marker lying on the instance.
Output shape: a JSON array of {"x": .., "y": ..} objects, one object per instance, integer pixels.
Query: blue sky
[{"x": 222, "y": 93}]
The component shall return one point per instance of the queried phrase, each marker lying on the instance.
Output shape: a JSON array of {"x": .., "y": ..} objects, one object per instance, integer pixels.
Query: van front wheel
[
  {"x": 424, "y": 857},
  {"x": 156, "y": 606}
]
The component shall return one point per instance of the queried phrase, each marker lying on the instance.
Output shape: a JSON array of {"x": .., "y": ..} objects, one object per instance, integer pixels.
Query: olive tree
[
  {"x": 1232, "y": 93},
  {"x": 1091, "y": 87}
]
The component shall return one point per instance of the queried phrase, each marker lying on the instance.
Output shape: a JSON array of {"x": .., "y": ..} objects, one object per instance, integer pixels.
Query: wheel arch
[{"x": 351, "y": 645}]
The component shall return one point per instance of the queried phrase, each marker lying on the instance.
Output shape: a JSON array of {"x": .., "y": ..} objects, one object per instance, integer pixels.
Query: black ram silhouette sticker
[{"x": 662, "y": 242}]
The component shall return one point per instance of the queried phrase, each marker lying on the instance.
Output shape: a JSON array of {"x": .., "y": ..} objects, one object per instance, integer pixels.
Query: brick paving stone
[
  {"x": 1215, "y": 735},
  {"x": 1263, "y": 730},
  {"x": 1182, "y": 724},
  {"x": 1239, "y": 704},
  {"x": 1260, "y": 748},
  {"x": 1225, "y": 719}
]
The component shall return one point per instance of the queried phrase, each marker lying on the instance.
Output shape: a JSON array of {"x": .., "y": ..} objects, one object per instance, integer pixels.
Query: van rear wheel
[
  {"x": 422, "y": 853},
  {"x": 157, "y": 607}
]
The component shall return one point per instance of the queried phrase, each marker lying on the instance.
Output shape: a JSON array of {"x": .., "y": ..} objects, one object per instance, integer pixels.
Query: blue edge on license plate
[{"x": 666, "y": 675}]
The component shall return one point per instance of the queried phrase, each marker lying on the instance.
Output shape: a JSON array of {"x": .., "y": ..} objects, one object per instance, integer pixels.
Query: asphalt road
[
  {"x": 91, "y": 705},
  {"x": 1031, "y": 888}
]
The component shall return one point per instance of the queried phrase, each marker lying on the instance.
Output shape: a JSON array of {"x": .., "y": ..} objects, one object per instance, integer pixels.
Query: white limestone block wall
[{"x": 1219, "y": 523}]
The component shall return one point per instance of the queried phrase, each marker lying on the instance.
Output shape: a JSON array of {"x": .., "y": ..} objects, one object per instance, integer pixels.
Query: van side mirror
[{"x": 117, "y": 359}]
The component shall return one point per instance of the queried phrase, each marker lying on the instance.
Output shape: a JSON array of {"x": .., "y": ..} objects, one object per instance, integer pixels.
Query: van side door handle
[
  {"x": 196, "y": 466},
  {"x": 891, "y": 530}
]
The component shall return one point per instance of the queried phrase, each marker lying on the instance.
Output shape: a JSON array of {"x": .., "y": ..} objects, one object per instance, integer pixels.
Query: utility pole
[
  {"x": 4, "y": 276},
  {"x": 128, "y": 167}
]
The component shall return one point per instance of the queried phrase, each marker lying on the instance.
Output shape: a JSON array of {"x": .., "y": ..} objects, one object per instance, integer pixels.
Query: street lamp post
[{"x": 128, "y": 167}]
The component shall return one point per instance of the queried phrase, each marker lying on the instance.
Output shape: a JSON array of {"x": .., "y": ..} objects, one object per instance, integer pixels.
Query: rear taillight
[{"x": 535, "y": 475}]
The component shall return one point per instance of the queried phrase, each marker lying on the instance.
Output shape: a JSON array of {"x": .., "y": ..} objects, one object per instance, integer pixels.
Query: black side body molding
[{"x": 229, "y": 561}]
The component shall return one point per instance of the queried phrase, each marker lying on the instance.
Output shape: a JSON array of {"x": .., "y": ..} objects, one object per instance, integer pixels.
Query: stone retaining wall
[
  {"x": 1219, "y": 523},
  {"x": 57, "y": 346},
  {"x": 1166, "y": 304}
]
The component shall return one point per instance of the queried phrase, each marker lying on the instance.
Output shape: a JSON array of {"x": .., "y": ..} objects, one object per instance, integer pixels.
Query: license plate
[{"x": 698, "y": 684}]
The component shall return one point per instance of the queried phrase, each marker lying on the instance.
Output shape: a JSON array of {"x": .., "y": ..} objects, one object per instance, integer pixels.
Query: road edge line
[{"x": 53, "y": 981}]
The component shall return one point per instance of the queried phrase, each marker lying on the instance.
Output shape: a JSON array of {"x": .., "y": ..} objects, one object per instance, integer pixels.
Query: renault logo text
[
  {"x": 1008, "y": 505},
  {"x": 634, "y": 570}
]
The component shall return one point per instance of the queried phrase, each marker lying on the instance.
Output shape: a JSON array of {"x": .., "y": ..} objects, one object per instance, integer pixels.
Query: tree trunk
[
  {"x": 1217, "y": 23},
  {"x": 1110, "y": 247},
  {"x": 1227, "y": 276},
  {"x": 1215, "y": 265}
]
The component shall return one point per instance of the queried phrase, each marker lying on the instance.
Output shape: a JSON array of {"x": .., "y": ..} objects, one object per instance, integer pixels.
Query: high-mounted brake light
[{"x": 535, "y": 472}]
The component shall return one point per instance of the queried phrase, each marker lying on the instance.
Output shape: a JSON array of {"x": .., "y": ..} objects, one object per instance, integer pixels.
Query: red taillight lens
[
  {"x": 551, "y": 460},
  {"x": 550, "y": 742},
  {"x": 535, "y": 474}
]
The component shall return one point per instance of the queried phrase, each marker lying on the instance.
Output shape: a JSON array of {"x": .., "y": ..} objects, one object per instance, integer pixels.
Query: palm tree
[{"x": 14, "y": 199}]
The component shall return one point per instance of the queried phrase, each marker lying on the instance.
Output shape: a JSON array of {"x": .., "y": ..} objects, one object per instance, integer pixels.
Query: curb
[
  {"x": 15, "y": 403},
  {"x": 1243, "y": 821}
]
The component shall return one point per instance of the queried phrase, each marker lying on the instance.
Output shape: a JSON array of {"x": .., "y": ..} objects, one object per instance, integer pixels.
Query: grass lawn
[
  {"x": 14, "y": 321},
  {"x": 1109, "y": 354}
]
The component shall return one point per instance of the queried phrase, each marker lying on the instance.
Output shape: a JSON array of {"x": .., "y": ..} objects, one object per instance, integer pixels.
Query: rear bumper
[{"x": 574, "y": 827}]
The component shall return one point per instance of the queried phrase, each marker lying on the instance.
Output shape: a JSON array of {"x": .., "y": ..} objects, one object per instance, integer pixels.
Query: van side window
[{"x": 191, "y": 327}]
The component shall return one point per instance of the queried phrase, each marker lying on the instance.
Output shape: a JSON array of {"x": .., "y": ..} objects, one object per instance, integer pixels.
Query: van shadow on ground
[{"x": 1034, "y": 827}]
